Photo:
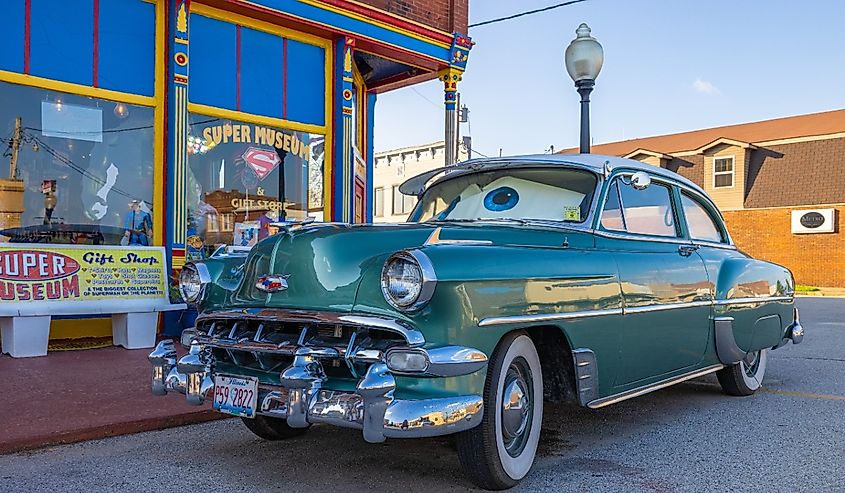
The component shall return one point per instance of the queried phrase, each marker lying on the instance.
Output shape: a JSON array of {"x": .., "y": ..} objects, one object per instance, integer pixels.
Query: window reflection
[
  {"x": 243, "y": 177},
  {"x": 84, "y": 169}
]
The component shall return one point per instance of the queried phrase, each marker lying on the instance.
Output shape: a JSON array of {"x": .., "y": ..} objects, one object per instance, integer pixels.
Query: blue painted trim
[
  {"x": 310, "y": 12},
  {"x": 11, "y": 36},
  {"x": 127, "y": 46},
  {"x": 371, "y": 113},
  {"x": 62, "y": 40}
]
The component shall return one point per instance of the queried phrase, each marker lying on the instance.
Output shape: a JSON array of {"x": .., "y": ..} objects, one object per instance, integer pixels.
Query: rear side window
[
  {"x": 699, "y": 221},
  {"x": 647, "y": 212}
]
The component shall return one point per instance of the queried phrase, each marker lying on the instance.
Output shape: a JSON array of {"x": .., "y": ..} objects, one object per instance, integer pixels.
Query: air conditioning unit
[{"x": 814, "y": 221}]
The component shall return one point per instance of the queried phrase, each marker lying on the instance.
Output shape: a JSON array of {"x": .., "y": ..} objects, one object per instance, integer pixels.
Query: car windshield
[{"x": 545, "y": 194}]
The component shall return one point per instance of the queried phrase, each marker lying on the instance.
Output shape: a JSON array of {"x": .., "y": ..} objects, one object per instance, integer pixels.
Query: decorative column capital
[{"x": 450, "y": 78}]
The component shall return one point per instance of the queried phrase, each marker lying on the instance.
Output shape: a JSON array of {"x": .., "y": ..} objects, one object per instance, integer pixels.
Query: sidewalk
[
  {"x": 835, "y": 292},
  {"x": 71, "y": 396}
]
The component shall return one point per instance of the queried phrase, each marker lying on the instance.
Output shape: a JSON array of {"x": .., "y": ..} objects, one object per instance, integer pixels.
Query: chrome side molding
[{"x": 630, "y": 394}]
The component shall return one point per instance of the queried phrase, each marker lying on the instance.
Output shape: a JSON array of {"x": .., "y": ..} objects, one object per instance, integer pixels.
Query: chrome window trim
[{"x": 666, "y": 180}]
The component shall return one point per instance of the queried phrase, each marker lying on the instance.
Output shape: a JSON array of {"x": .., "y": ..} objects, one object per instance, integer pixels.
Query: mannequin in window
[{"x": 138, "y": 225}]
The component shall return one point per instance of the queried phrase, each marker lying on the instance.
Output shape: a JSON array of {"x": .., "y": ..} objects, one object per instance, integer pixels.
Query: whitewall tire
[
  {"x": 745, "y": 377},
  {"x": 501, "y": 450}
]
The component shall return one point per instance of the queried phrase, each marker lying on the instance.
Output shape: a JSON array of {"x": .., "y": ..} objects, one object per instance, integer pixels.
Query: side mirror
[{"x": 640, "y": 180}]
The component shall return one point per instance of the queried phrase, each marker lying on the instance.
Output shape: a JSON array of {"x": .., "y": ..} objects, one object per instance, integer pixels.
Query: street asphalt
[{"x": 790, "y": 436}]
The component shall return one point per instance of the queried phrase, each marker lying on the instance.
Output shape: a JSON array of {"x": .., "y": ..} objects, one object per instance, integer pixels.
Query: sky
[{"x": 669, "y": 66}]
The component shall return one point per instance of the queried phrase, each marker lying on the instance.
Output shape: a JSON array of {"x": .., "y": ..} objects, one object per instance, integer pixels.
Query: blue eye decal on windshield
[{"x": 501, "y": 199}]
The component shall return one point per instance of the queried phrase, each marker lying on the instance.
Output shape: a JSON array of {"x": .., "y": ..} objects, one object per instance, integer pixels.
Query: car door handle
[{"x": 687, "y": 250}]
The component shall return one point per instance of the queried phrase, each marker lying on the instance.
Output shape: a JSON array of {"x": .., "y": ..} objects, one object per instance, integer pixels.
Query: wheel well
[{"x": 556, "y": 362}]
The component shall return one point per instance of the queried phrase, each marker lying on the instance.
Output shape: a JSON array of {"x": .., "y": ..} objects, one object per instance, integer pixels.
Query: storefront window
[
  {"x": 243, "y": 177},
  {"x": 84, "y": 169}
]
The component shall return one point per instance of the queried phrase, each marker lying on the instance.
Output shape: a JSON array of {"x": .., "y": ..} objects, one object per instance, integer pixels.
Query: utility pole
[{"x": 16, "y": 147}]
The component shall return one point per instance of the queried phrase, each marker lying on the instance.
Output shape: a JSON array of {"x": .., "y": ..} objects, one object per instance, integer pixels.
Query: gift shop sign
[{"x": 71, "y": 273}]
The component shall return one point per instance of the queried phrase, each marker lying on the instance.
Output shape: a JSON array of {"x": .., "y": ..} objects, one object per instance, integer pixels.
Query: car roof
[{"x": 596, "y": 163}]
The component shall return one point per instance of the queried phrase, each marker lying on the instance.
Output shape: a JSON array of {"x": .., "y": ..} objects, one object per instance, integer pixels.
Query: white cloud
[{"x": 705, "y": 87}]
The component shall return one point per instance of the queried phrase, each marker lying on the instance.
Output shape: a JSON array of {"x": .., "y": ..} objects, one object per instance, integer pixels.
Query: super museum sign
[{"x": 68, "y": 273}]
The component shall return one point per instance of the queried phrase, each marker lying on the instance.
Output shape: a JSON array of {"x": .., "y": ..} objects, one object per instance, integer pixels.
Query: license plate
[{"x": 235, "y": 395}]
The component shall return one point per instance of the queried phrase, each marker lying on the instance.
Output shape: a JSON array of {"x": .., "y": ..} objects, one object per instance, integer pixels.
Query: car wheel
[
  {"x": 500, "y": 451},
  {"x": 745, "y": 377},
  {"x": 272, "y": 428}
]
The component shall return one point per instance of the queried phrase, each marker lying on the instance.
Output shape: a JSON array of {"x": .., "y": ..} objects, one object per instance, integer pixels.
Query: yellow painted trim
[
  {"x": 328, "y": 142},
  {"x": 255, "y": 119},
  {"x": 359, "y": 87},
  {"x": 361, "y": 36},
  {"x": 76, "y": 328},
  {"x": 389, "y": 27},
  {"x": 158, "y": 130},
  {"x": 225, "y": 16},
  {"x": 79, "y": 89}
]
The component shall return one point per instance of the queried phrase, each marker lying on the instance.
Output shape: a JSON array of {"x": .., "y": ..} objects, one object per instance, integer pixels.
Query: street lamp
[{"x": 584, "y": 57}]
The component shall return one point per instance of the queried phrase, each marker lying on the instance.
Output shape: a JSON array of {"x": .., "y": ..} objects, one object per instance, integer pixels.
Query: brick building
[{"x": 765, "y": 177}]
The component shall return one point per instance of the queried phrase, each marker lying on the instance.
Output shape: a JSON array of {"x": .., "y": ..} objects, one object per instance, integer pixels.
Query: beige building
[{"x": 394, "y": 167}]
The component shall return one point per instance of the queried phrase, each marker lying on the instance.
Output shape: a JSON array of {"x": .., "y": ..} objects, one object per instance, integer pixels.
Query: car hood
[{"x": 325, "y": 263}]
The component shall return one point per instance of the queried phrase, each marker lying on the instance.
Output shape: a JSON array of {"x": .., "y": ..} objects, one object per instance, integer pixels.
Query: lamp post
[{"x": 584, "y": 57}]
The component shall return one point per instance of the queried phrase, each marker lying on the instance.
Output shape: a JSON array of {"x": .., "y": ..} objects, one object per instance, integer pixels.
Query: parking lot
[{"x": 790, "y": 436}]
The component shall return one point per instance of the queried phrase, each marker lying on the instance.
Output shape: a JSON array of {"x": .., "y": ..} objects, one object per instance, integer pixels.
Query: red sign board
[{"x": 262, "y": 162}]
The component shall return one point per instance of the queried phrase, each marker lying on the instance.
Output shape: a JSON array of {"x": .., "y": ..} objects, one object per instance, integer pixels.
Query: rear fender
[{"x": 755, "y": 325}]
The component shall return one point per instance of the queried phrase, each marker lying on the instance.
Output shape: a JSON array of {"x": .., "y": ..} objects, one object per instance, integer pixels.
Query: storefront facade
[{"x": 190, "y": 124}]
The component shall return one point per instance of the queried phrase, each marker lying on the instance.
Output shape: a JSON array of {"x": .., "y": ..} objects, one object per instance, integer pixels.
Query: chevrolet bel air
[{"x": 585, "y": 279}]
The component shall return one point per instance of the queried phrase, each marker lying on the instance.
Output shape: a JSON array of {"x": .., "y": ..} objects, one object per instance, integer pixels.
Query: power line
[
  {"x": 529, "y": 12},
  {"x": 423, "y": 96}
]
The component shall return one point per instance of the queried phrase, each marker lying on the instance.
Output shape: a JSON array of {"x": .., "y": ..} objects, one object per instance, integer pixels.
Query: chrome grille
[{"x": 270, "y": 343}]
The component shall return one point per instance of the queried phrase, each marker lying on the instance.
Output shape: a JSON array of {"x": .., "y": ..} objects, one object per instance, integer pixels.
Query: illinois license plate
[{"x": 235, "y": 395}]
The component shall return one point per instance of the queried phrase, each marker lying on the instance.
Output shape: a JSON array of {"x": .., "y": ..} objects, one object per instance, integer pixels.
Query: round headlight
[
  {"x": 191, "y": 281},
  {"x": 407, "y": 280}
]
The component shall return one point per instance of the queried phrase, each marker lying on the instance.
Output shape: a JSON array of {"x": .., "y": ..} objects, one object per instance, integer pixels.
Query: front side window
[
  {"x": 242, "y": 177},
  {"x": 647, "y": 211},
  {"x": 84, "y": 169},
  {"x": 723, "y": 172},
  {"x": 528, "y": 193},
  {"x": 699, "y": 221}
]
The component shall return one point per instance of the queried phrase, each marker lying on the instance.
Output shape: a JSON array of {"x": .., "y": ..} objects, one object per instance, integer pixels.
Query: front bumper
[{"x": 302, "y": 400}]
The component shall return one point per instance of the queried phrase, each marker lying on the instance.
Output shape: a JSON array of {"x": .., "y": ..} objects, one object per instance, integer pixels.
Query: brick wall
[
  {"x": 797, "y": 174},
  {"x": 446, "y": 15},
  {"x": 814, "y": 259}
]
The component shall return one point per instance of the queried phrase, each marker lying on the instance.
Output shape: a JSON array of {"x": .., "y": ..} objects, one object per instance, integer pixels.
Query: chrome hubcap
[
  {"x": 517, "y": 398},
  {"x": 750, "y": 363}
]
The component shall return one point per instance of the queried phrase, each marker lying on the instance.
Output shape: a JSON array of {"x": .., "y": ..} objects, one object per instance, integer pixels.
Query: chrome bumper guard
[
  {"x": 302, "y": 400},
  {"x": 794, "y": 333}
]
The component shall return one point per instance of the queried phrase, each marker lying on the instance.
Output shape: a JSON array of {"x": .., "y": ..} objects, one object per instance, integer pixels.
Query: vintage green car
[{"x": 585, "y": 279}]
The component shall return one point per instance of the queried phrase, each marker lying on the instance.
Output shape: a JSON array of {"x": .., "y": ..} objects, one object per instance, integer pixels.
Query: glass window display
[
  {"x": 75, "y": 164},
  {"x": 243, "y": 177}
]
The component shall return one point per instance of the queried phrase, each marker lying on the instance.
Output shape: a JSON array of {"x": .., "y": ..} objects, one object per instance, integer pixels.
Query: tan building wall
[{"x": 392, "y": 168}]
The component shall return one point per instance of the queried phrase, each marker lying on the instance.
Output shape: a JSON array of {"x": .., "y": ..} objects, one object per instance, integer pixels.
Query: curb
[{"x": 110, "y": 430}]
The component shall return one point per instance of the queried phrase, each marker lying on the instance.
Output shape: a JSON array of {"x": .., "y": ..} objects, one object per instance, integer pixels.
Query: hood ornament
[{"x": 272, "y": 283}]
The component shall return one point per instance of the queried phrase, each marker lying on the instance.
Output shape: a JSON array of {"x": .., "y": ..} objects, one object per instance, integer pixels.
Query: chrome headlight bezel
[
  {"x": 427, "y": 284},
  {"x": 192, "y": 281}
]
